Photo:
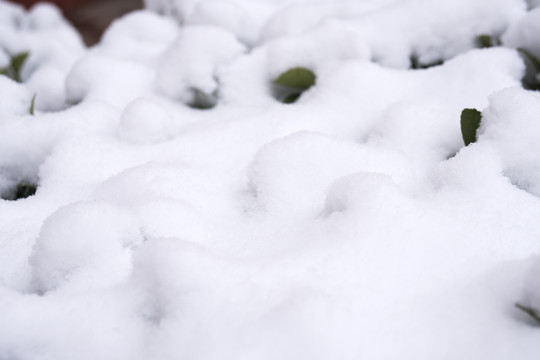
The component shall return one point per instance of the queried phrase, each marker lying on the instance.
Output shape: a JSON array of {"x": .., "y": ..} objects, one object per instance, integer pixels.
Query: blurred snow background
[{"x": 352, "y": 224}]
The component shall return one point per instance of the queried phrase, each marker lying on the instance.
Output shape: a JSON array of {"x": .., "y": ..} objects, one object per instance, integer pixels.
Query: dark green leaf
[
  {"x": 470, "y": 122},
  {"x": 33, "y": 104},
  {"x": 18, "y": 61},
  {"x": 291, "y": 98},
  {"x": 529, "y": 311},
  {"x": 486, "y": 41}
]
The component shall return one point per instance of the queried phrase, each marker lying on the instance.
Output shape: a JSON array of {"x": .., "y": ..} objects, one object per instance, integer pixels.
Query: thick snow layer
[{"x": 351, "y": 224}]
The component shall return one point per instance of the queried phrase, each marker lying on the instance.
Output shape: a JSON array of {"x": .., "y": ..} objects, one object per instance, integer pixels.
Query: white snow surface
[{"x": 352, "y": 224}]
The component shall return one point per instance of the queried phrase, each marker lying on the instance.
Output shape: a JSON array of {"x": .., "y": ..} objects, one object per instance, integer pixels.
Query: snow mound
[{"x": 84, "y": 246}]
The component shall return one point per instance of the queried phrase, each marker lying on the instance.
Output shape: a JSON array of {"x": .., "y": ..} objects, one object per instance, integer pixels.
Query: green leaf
[
  {"x": 529, "y": 311},
  {"x": 17, "y": 63},
  {"x": 486, "y": 41},
  {"x": 290, "y": 85},
  {"x": 299, "y": 78},
  {"x": 13, "y": 70},
  {"x": 33, "y": 104},
  {"x": 470, "y": 122}
]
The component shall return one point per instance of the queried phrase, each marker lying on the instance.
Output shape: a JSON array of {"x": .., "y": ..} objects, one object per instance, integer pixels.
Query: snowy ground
[{"x": 351, "y": 224}]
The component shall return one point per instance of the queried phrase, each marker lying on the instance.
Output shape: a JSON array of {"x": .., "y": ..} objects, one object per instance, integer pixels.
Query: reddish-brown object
[
  {"x": 65, "y": 5},
  {"x": 91, "y": 17}
]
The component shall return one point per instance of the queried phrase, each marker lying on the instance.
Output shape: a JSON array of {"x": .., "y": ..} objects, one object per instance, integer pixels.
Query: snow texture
[{"x": 351, "y": 224}]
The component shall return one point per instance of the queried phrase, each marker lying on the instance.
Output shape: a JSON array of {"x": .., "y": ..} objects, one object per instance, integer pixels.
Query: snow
[
  {"x": 192, "y": 61},
  {"x": 136, "y": 126},
  {"x": 520, "y": 165},
  {"x": 522, "y": 33},
  {"x": 98, "y": 256},
  {"x": 53, "y": 46},
  {"x": 352, "y": 224},
  {"x": 15, "y": 99}
]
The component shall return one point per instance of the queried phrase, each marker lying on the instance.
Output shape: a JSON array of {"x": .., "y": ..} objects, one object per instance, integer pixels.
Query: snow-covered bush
[
  {"x": 333, "y": 200},
  {"x": 51, "y": 43}
]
